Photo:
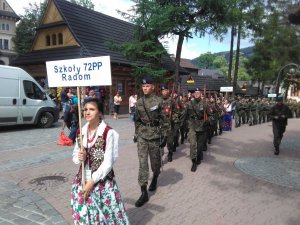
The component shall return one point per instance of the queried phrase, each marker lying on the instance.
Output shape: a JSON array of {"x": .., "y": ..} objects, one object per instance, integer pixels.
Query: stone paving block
[
  {"x": 37, "y": 218},
  {"x": 22, "y": 221},
  {"x": 6, "y": 223}
]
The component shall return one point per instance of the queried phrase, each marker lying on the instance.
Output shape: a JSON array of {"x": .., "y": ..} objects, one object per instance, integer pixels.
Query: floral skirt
[
  {"x": 227, "y": 122},
  {"x": 104, "y": 205}
]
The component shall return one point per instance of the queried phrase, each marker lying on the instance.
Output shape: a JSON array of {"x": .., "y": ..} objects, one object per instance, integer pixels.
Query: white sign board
[
  {"x": 226, "y": 89},
  {"x": 93, "y": 71},
  {"x": 271, "y": 95}
]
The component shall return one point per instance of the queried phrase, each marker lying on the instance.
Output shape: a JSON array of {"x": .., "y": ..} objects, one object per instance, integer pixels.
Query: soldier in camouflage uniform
[
  {"x": 279, "y": 114},
  {"x": 242, "y": 111},
  {"x": 252, "y": 112},
  {"x": 150, "y": 130},
  {"x": 212, "y": 119},
  {"x": 196, "y": 113},
  {"x": 183, "y": 122},
  {"x": 176, "y": 117},
  {"x": 168, "y": 108},
  {"x": 237, "y": 118}
]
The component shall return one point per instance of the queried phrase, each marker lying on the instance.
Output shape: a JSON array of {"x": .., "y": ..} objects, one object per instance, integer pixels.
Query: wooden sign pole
[{"x": 80, "y": 135}]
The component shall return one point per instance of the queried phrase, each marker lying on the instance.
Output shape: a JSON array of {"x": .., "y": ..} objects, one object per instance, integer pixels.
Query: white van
[{"x": 23, "y": 101}]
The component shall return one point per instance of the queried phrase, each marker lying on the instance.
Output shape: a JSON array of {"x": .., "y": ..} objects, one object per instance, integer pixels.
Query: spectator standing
[
  {"x": 117, "y": 103},
  {"x": 132, "y": 105}
]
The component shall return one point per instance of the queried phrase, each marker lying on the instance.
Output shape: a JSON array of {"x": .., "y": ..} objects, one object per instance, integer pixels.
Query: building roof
[
  {"x": 9, "y": 14},
  {"x": 93, "y": 31},
  {"x": 212, "y": 73},
  {"x": 202, "y": 82},
  {"x": 186, "y": 63}
]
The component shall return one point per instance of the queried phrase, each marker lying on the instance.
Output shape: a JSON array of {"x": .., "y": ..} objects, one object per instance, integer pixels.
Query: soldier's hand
[
  {"x": 163, "y": 142},
  {"x": 282, "y": 116},
  {"x": 134, "y": 139},
  {"x": 276, "y": 117}
]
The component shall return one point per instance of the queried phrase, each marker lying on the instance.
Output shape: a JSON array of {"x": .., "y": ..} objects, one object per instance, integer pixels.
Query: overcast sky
[{"x": 192, "y": 48}]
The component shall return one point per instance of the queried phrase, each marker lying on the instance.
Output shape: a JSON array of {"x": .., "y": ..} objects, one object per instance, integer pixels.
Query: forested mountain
[{"x": 246, "y": 52}]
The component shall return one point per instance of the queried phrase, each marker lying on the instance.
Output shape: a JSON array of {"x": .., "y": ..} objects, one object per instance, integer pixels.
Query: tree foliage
[
  {"x": 85, "y": 3},
  {"x": 206, "y": 60},
  {"x": 276, "y": 45},
  {"x": 180, "y": 18},
  {"x": 25, "y": 30}
]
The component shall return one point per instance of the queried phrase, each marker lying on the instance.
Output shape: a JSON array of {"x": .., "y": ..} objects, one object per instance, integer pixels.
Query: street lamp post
[{"x": 294, "y": 68}]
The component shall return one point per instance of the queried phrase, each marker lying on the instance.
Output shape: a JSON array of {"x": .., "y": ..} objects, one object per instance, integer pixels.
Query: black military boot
[
  {"x": 209, "y": 141},
  {"x": 276, "y": 152},
  {"x": 194, "y": 166},
  {"x": 199, "y": 158},
  {"x": 153, "y": 184},
  {"x": 220, "y": 132},
  {"x": 170, "y": 154},
  {"x": 143, "y": 198}
]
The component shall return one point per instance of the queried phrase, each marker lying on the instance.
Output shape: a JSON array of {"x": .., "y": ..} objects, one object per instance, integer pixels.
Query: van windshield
[{"x": 32, "y": 90}]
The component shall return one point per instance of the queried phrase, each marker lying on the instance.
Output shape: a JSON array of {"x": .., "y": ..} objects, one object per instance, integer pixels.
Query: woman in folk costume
[
  {"x": 99, "y": 200},
  {"x": 227, "y": 116}
]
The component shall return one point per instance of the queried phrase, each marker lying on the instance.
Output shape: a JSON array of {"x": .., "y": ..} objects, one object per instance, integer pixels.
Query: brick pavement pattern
[{"x": 240, "y": 181}]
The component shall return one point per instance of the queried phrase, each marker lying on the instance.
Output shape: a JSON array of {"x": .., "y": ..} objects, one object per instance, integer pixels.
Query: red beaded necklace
[{"x": 89, "y": 132}]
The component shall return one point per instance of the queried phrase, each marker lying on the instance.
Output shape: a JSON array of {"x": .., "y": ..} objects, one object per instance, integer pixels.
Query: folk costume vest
[{"x": 95, "y": 155}]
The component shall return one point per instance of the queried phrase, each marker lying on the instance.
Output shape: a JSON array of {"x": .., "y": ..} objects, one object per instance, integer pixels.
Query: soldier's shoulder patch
[{"x": 154, "y": 108}]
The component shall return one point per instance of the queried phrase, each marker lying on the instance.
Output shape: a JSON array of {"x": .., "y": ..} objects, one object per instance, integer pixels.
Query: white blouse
[
  {"x": 227, "y": 107},
  {"x": 111, "y": 151}
]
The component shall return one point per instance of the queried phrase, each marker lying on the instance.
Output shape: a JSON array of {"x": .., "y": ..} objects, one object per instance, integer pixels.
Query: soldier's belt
[
  {"x": 196, "y": 118},
  {"x": 155, "y": 124}
]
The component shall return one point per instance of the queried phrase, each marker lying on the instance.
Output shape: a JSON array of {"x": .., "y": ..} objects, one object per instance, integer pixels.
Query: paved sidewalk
[{"x": 240, "y": 181}]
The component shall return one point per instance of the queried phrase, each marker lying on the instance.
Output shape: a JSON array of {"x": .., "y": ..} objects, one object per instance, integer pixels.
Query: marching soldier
[
  {"x": 168, "y": 108},
  {"x": 221, "y": 110},
  {"x": 150, "y": 130},
  {"x": 183, "y": 122},
  {"x": 237, "y": 117},
  {"x": 196, "y": 113},
  {"x": 279, "y": 114}
]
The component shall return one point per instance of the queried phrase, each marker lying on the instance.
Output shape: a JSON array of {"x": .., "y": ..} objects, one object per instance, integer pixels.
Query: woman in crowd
[
  {"x": 117, "y": 103},
  {"x": 227, "y": 117},
  {"x": 132, "y": 104},
  {"x": 99, "y": 200}
]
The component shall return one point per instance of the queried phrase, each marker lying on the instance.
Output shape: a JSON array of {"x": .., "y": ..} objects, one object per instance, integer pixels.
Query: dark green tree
[
  {"x": 206, "y": 60},
  {"x": 180, "y": 18},
  {"x": 85, "y": 3},
  {"x": 26, "y": 29},
  {"x": 276, "y": 45}
]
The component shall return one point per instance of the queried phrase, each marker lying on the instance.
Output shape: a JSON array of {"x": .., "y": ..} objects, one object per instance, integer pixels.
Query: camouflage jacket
[
  {"x": 195, "y": 112},
  {"x": 150, "y": 121}
]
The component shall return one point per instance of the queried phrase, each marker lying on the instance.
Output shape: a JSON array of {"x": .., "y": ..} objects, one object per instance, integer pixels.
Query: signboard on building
[
  {"x": 93, "y": 71},
  {"x": 271, "y": 95},
  {"x": 226, "y": 89}
]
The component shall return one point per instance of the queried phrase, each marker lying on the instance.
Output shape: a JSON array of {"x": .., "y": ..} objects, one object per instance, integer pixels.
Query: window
[
  {"x": 4, "y": 6},
  {"x": 3, "y": 26},
  {"x": 60, "y": 39},
  {"x": 32, "y": 90},
  {"x": 1, "y": 46},
  {"x": 48, "y": 42},
  {"x": 120, "y": 87},
  {"x": 5, "y": 44},
  {"x": 53, "y": 39},
  {"x": 7, "y": 26}
]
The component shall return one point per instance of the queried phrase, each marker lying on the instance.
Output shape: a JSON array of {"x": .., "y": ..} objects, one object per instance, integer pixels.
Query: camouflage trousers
[
  {"x": 278, "y": 130},
  {"x": 197, "y": 142},
  {"x": 148, "y": 148}
]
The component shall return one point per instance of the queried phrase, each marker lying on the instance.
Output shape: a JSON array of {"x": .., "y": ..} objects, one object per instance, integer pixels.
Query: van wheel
[{"x": 45, "y": 120}]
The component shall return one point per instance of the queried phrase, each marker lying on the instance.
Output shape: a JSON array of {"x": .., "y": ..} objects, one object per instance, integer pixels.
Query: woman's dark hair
[{"x": 96, "y": 102}]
